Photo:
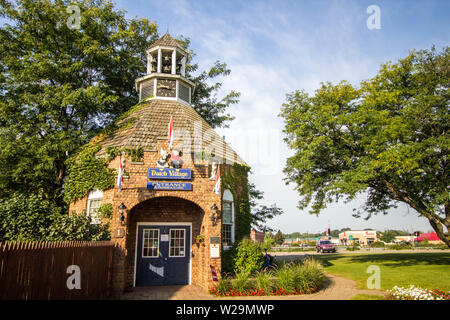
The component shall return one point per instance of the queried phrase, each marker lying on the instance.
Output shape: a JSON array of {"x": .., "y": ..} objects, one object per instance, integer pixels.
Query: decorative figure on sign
[
  {"x": 163, "y": 162},
  {"x": 175, "y": 157},
  {"x": 213, "y": 171}
]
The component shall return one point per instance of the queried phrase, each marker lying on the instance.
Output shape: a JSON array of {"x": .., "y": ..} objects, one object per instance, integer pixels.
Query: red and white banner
[
  {"x": 170, "y": 134},
  {"x": 120, "y": 174},
  {"x": 217, "y": 185},
  {"x": 213, "y": 273}
]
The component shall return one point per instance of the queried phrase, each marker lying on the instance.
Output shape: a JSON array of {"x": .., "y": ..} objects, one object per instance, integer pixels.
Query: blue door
[{"x": 163, "y": 255}]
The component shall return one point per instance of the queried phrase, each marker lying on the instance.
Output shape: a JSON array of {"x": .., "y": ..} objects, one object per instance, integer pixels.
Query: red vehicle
[{"x": 325, "y": 246}]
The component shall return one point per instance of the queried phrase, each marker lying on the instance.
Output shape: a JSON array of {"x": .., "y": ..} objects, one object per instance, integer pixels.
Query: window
[
  {"x": 150, "y": 243},
  {"x": 176, "y": 244},
  {"x": 227, "y": 219},
  {"x": 94, "y": 202}
]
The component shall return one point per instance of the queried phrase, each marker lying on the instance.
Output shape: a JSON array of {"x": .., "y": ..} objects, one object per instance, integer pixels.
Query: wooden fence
[{"x": 49, "y": 270}]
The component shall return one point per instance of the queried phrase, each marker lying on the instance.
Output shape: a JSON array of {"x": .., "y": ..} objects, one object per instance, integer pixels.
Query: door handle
[{"x": 165, "y": 259}]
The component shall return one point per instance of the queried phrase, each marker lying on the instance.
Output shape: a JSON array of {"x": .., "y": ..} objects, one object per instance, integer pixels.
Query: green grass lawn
[{"x": 426, "y": 270}]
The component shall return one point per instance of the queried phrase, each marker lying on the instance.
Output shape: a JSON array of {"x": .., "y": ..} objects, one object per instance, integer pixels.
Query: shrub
[
  {"x": 309, "y": 276},
  {"x": 377, "y": 244},
  {"x": 354, "y": 247},
  {"x": 241, "y": 283},
  {"x": 286, "y": 278},
  {"x": 400, "y": 246},
  {"x": 223, "y": 286},
  {"x": 263, "y": 281},
  {"x": 228, "y": 259},
  {"x": 76, "y": 228},
  {"x": 24, "y": 216},
  {"x": 249, "y": 257}
]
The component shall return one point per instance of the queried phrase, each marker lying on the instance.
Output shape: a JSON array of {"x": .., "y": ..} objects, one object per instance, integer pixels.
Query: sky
[{"x": 276, "y": 47}]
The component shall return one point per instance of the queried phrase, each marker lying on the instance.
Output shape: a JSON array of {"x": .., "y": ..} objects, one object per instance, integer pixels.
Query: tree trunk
[{"x": 438, "y": 227}]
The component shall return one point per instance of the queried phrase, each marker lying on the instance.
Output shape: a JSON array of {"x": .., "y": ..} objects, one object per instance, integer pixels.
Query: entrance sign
[
  {"x": 169, "y": 174},
  {"x": 169, "y": 186},
  {"x": 214, "y": 251}
]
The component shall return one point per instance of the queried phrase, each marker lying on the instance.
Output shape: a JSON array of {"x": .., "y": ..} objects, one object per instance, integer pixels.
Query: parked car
[{"x": 325, "y": 246}]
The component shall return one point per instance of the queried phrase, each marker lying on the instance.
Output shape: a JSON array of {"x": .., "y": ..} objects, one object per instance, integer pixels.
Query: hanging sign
[
  {"x": 169, "y": 174},
  {"x": 169, "y": 185}
]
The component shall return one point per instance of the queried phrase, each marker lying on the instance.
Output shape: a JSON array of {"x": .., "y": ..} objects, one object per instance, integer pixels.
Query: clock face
[{"x": 166, "y": 88}]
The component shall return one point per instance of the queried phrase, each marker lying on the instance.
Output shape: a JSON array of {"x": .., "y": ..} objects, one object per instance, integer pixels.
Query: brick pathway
[{"x": 337, "y": 288}]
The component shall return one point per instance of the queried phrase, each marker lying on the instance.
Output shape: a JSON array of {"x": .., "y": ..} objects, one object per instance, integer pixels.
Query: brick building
[
  {"x": 168, "y": 222},
  {"x": 257, "y": 236}
]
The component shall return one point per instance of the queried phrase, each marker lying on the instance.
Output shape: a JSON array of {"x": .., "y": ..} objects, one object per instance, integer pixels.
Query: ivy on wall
[
  {"x": 136, "y": 155},
  {"x": 236, "y": 180},
  {"x": 87, "y": 172}
]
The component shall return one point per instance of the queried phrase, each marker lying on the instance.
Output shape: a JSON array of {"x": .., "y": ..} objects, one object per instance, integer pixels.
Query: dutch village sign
[{"x": 169, "y": 174}]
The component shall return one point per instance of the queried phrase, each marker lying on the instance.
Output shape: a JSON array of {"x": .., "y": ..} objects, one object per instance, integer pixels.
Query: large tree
[
  {"x": 63, "y": 81},
  {"x": 388, "y": 139}
]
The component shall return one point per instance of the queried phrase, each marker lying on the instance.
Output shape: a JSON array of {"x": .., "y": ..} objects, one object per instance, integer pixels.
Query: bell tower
[{"x": 166, "y": 72}]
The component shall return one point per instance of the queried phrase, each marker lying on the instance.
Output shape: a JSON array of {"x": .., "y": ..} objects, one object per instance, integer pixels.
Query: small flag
[
  {"x": 120, "y": 175},
  {"x": 217, "y": 185},
  {"x": 213, "y": 273},
  {"x": 170, "y": 134}
]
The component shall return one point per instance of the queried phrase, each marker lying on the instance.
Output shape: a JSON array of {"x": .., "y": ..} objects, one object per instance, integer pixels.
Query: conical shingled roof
[
  {"x": 167, "y": 41},
  {"x": 150, "y": 123}
]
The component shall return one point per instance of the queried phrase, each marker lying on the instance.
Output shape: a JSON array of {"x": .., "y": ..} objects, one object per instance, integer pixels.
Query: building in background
[
  {"x": 404, "y": 239},
  {"x": 432, "y": 238},
  {"x": 257, "y": 236},
  {"x": 363, "y": 237}
]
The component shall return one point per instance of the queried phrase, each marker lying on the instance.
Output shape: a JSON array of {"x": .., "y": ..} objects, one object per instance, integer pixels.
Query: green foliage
[
  {"x": 237, "y": 181},
  {"x": 241, "y": 282},
  {"x": 87, "y": 172},
  {"x": 263, "y": 281},
  {"x": 286, "y": 278},
  {"x": 305, "y": 277},
  {"x": 228, "y": 259},
  {"x": 268, "y": 243},
  {"x": 389, "y": 138},
  {"x": 34, "y": 218},
  {"x": 399, "y": 247},
  {"x": 377, "y": 244},
  {"x": 24, "y": 216},
  {"x": 388, "y": 236},
  {"x": 76, "y": 227},
  {"x": 136, "y": 155},
  {"x": 308, "y": 276},
  {"x": 249, "y": 257},
  {"x": 353, "y": 247},
  {"x": 224, "y": 285},
  {"x": 105, "y": 211},
  {"x": 61, "y": 86},
  {"x": 279, "y": 238}
]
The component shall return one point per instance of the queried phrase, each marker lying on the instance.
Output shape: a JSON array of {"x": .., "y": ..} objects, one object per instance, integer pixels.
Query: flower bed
[
  {"x": 416, "y": 293},
  {"x": 289, "y": 279}
]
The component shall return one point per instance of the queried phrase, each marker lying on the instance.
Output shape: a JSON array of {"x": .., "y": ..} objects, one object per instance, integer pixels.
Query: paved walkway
[{"x": 336, "y": 288}]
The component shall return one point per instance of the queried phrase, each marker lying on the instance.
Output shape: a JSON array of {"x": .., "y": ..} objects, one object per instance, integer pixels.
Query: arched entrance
[{"x": 161, "y": 250}]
